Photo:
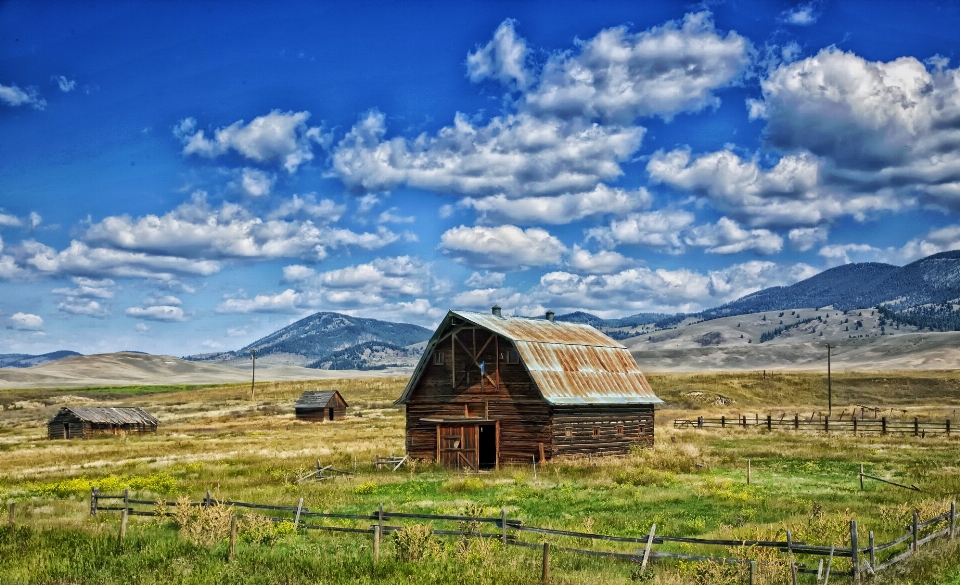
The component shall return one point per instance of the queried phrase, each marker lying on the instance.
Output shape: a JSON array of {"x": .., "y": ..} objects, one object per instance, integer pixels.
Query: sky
[{"x": 186, "y": 177}]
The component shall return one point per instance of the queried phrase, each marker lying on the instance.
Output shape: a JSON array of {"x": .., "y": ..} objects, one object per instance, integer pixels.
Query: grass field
[{"x": 692, "y": 483}]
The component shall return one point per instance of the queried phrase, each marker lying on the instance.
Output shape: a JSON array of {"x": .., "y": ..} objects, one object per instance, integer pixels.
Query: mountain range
[
  {"x": 921, "y": 296},
  {"x": 23, "y": 360},
  {"x": 333, "y": 341}
]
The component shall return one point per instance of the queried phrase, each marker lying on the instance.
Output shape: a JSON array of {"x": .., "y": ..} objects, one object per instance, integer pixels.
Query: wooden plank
[{"x": 646, "y": 551}]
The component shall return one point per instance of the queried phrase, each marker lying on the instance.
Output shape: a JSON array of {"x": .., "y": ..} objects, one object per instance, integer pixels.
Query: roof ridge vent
[
  {"x": 550, "y": 315},
  {"x": 496, "y": 311}
]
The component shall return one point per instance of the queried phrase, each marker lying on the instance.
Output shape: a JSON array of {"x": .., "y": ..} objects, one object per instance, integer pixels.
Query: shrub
[
  {"x": 644, "y": 476},
  {"x": 367, "y": 487},
  {"x": 464, "y": 486},
  {"x": 414, "y": 542}
]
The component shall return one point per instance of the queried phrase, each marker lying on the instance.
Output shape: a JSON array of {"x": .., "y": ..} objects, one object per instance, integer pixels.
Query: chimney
[
  {"x": 496, "y": 310},
  {"x": 550, "y": 316}
]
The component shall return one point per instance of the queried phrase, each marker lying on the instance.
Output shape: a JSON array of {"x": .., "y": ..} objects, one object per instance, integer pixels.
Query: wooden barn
[
  {"x": 321, "y": 405},
  {"x": 80, "y": 422},
  {"x": 491, "y": 389}
]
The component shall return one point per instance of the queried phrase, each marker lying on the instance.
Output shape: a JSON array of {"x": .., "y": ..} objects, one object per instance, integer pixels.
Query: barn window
[
  {"x": 596, "y": 432},
  {"x": 475, "y": 409},
  {"x": 568, "y": 433},
  {"x": 619, "y": 430},
  {"x": 510, "y": 356},
  {"x": 438, "y": 358}
]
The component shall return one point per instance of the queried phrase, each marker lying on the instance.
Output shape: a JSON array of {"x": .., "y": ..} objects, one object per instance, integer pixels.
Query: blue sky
[{"x": 187, "y": 177}]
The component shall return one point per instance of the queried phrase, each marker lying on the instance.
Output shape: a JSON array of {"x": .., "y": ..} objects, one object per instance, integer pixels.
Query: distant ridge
[
  {"x": 23, "y": 360},
  {"x": 317, "y": 338},
  {"x": 934, "y": 279}
]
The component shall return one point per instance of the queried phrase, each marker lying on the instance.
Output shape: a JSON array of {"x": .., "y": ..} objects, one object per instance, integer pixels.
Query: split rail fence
[
  {"x": 863, "y": 560},
  {"x": 882, "y": 426}
]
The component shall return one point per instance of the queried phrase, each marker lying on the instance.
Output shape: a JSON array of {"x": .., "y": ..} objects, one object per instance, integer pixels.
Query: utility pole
[
  {"x": 829, "y": 385},
  {"x": 253, "y": 375}
]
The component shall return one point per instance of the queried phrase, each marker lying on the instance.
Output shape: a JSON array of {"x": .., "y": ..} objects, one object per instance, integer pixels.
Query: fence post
[
  {"x": 376, "y": 544},
  {"x": 916, "y": 520},
  {"x": 873, "y": 552},
  {"x": 883, "y": 425},
  {"x": 796, "y": 421},
  {"x": 793, "y": 571},
  {"x": 854, "y": 426},
  {"x": 916, "y": 427},
  {"x": 296, "y": 519},
  {"x": 748, "y": 472},
  {"x": 723, "y": 422},
  {"x": 94, "y": 496},
  {"x": 744, "y": 421},
  {"x": 700, "y": 422},
  {"x": 953, "y": 519},
  {"x": 826, "y": 424},
  {"x": 861, "y": 477},
  {"x": 854, "y": 551},
  {"x": 826, "y": 577},
  {"x": 503, "y": 526},
  {"x": 13, "y": 512},
  {"x": 206, "y": 500},
  {"x": 233, "y": 537},
  {"x": 380, "y": 520},
  {"x": 753, "y": 571},
  {"x": 769, "y": 423},
  {"x": 545, "y": 568},
  {"x": 646, "y": 551}
]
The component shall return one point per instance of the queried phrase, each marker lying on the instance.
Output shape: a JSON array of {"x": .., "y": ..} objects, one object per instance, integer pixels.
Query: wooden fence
[
  {"x": 864, "y": 560},
  {"x": 882, "y": 426}
]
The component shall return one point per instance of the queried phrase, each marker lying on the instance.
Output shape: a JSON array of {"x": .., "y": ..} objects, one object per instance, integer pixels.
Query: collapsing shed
[
  {"x": 321, "y": 405},
  {"x": 79, "y": 422},
  {"x": 491, "y": 389}
]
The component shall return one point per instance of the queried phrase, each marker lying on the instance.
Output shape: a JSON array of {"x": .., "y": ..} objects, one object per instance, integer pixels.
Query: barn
[
  {"x": 321, "y": 405},
  {"x": 80, "y": 422},
  {"x": 490, "y": 389}
]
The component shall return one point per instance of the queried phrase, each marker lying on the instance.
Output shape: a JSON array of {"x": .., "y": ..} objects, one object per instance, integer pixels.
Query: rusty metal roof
[
  {"x": 570, "y": 363},
  {"x": 317, "y": 399},
  {"x": 116, "y": 415}
]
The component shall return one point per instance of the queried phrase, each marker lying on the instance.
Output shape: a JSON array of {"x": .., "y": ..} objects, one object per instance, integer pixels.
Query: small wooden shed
[
  {"x": 321, "y": 405},
  {"x": 80, "y": 422},
  {"x": 491, "y": 389}
]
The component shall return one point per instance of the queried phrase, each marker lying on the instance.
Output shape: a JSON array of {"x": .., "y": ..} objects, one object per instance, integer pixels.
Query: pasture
[{"x": 692, "y": 484}]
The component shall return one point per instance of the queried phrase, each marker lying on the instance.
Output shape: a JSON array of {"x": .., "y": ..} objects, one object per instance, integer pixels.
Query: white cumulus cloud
[
  {"x": 502, "y": 59},
  {"x": 281, "y": 137},
  {"x": 26, "y": 322},
  {"x": 14, "y": 96},
  {"x": 504, "y": 247},
  {"x": 163, "y": 313}
]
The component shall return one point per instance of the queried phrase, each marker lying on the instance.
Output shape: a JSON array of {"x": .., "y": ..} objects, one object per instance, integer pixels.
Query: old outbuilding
[
  {"x": 491, "y": 389},
  {"x": 321, "y": 405},
  {"x": 80, "y": 422}
]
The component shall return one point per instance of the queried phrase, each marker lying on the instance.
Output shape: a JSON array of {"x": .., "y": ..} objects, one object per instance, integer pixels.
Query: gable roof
[
  {"x": 116, "y": 415},
  {"x": 317, "y": 399},
  {"x": 570, "y": 363}
]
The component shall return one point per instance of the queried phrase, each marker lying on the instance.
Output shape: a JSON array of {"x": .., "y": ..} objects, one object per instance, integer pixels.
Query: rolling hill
[{"x": 23, "y": 360}]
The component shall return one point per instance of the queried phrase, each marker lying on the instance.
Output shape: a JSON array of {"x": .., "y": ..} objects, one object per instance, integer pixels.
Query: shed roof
[
  {"x": 117, "y": 415},
  {"x": 571, "y": 363},
  {"x": 317, "y": 399}
]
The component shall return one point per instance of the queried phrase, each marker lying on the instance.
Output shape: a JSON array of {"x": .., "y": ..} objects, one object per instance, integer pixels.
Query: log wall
[{"x": 579, "y": 430}]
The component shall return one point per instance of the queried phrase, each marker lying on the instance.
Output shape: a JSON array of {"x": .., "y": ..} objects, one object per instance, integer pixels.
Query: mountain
[
  {"x": 598, "y": 322},
  {"x": 23, "y": 360},
  {"x": 931, "y": 280},
  {"x": 321, "y": 337},
  {"x": 370, "y": 355}
]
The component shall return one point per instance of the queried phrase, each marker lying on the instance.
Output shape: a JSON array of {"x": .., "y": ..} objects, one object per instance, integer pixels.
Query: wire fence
[
  {"x": 881, "y": 426},
  {"x": 871, "y": 559}
]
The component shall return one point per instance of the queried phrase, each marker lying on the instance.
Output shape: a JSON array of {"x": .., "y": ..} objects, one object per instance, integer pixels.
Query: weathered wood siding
[
  {"x": 323, "y": 414},
  {"x": 455, "y": 389},
  {"x": 579, "y": 430},
  {"x": 81, "y": 429}
]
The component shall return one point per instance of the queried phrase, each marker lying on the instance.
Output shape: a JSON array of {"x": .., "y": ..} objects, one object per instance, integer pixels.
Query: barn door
[{"x": 458, "y": 446}]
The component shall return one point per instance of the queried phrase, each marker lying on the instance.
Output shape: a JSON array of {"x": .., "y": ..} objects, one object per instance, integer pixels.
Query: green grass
[{"x": 691, "y": 484}]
